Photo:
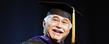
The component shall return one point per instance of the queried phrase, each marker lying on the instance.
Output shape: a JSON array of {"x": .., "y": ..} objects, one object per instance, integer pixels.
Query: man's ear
[{"x": 44, "y": 23}]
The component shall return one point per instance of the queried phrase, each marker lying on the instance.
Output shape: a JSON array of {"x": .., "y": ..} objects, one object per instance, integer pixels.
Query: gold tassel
[{"x": 73, "y": 26}]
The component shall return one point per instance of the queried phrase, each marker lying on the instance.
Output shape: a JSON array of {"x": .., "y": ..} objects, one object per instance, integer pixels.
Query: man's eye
[
  {"x": 64, "y": 22},
  {"x": 55, "y": 19}
]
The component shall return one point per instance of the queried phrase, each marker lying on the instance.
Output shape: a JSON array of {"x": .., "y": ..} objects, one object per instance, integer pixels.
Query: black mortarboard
[{"x": 58, "y": 5}]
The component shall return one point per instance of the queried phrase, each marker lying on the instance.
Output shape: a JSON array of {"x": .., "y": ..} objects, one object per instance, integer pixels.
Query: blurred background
[{"x": 22, "y": 19}]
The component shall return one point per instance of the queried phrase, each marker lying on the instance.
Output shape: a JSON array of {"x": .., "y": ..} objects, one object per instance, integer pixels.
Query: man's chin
[{"x": 57, "y": 38}]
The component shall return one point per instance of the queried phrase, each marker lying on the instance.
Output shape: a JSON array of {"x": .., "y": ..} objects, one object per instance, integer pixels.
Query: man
[{"x": 56, "y": 24}]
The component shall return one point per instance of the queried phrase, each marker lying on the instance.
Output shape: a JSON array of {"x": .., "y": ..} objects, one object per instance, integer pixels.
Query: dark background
[{"x": 22, "y": 19}]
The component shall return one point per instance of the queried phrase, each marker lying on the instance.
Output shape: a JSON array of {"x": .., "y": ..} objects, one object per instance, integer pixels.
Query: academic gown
[{"x": 41, "y": 40}]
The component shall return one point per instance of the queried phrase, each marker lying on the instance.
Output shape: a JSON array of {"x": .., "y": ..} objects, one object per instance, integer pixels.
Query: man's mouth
[{"x": 58, "y": 31}]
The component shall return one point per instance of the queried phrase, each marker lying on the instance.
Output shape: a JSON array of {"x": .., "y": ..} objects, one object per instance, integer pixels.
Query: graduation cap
[
  {"x": 58, "y": 5},
  {"x": 65, "y": 7}
]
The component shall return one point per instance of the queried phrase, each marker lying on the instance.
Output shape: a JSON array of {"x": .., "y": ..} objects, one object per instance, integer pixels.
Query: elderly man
[{"x": 56, "y": 24}]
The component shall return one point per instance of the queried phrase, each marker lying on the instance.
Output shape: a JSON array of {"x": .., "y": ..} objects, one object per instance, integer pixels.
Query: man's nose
[{"x": 59, "y": 25}]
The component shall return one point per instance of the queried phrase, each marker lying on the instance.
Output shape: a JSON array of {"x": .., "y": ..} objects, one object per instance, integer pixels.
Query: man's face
[{"x": 58, "y": 27}]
